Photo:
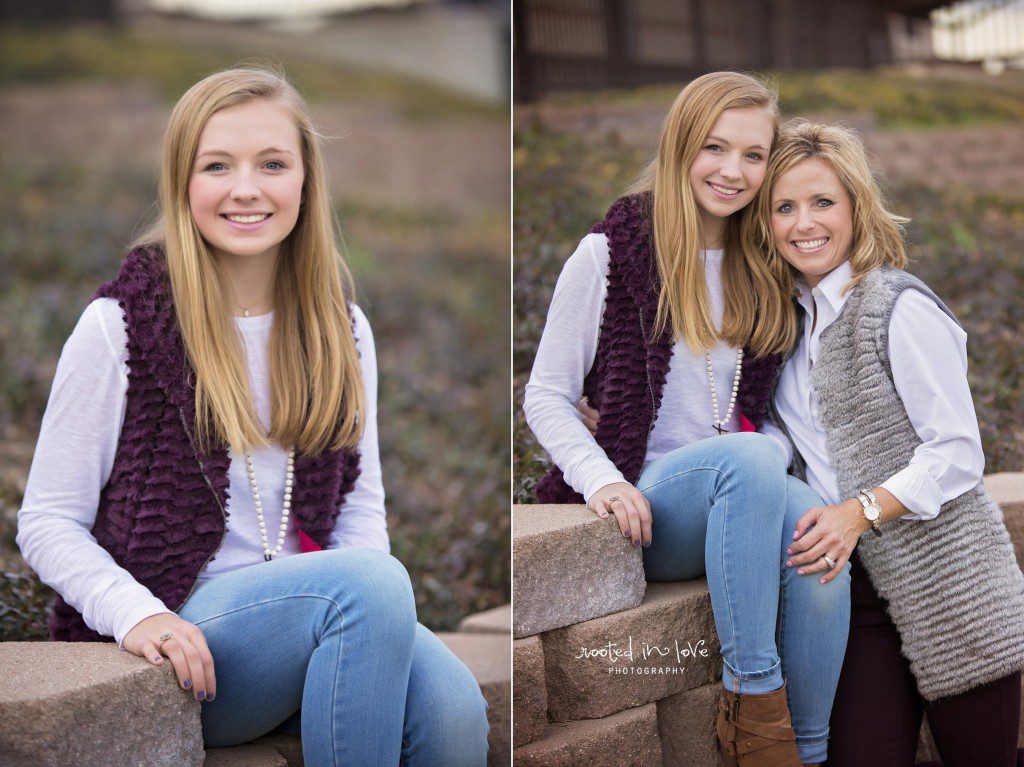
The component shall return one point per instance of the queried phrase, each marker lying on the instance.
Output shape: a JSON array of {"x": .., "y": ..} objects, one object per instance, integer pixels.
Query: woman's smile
[{"x": 246, "y": 222}]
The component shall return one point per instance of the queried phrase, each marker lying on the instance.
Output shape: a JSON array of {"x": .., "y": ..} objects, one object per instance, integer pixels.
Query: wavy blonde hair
[
  {"x": 755, "y": 315},
  {"x": 316, "y": 384},
  {"x": 877, "y": 232}
]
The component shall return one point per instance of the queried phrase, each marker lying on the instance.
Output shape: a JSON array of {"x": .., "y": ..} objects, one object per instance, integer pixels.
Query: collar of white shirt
[{"x": 830, "y": 288}]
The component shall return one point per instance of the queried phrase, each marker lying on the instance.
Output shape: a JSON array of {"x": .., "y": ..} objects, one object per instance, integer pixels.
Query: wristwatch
[{"x": 872, "y": 511}]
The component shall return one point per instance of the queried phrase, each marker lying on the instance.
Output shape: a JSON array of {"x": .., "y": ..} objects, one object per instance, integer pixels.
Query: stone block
[
  {"x": 570, "y": 566},
  {"x": 89, "y": 703},
  {"x": 529, "y": 697},
  {"x": 666, "y": 645},
  {"x": 288, "y": 746},
  {"x": 1007, "y": 489},
  {"x": 626, "y": 739},
  {"x": 497, "y": 620},
  {"x": 686, "y": 722},
  {"x": 245, "y": 756},
  {"x": 489, "y": 657}
]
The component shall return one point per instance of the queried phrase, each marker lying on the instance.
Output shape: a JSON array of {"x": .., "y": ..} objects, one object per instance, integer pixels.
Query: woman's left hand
[{"x": 834, "y": 530}]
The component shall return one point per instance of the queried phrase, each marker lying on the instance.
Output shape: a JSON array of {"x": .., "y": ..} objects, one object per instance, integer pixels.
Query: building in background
[{"x": 583, "y": 44}]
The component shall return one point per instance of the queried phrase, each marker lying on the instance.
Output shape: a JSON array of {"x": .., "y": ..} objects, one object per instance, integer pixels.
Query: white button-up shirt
[{"x": 928, "y": 356}]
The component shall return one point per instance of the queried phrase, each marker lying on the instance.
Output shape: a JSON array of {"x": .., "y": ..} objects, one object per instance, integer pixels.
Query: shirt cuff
[{"x": 915, "y": 488}]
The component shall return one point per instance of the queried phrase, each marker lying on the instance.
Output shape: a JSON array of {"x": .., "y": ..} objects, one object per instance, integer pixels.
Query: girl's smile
[
  {"x": 730, "y": 165},
  {"x": 245, "y": 191}
]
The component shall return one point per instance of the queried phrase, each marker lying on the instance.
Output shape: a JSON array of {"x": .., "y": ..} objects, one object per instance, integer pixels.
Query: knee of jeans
[
  {"x": 459, "y": 723},
  {"x": 756, "y": 452},
  {"x": 382, "y": 582}
]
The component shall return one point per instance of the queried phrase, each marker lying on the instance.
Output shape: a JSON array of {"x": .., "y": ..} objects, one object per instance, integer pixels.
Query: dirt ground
[
  {"x": 982, "y": 158},
  {"x": 376, "y": 156}
]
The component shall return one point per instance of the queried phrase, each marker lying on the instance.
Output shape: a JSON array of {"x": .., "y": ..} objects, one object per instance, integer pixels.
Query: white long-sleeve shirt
[
  {"x": 928, "y": 355},
  {"x": 566, "y": 353},
  {"x": 75, "y": 454}
]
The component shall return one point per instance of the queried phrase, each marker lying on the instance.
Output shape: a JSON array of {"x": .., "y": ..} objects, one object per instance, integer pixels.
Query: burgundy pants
[{"x": 876, "y": 718}]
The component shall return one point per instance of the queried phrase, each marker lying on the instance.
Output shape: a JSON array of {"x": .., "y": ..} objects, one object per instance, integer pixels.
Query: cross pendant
[{"x": 721, "y": 430}]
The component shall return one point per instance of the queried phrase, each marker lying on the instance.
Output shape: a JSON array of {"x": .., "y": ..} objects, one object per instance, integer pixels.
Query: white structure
[{"x": 979, "y": 30}]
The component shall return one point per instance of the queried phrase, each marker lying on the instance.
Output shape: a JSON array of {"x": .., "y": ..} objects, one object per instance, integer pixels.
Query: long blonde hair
[
  {"x": 755, "y": 315},
  {"x": 316, "y": 384},
  {"x": 877, "y": 232}
]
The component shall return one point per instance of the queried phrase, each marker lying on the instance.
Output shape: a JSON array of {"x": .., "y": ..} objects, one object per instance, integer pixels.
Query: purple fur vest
[
  {"x": 162, "y": 514},
  {"x": 627, "y": 378}
]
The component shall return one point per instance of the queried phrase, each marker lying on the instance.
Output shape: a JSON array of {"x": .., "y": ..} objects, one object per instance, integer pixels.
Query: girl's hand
[
  {"x": 631, "y": 509},
  {"x": 590, "y": 416},
  {"x": 187, "y": 650},
  {"x": 835, "y": 532}
]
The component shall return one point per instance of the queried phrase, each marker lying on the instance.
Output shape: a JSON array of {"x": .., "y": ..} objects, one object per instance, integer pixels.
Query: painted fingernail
[
  {"x": 647, "y": 545},
  {"x": 625, "y": 534},
  {"x": 789, "y": 563},
  {"x": 187, "y": 683},
  {"x": 796, "y": 533},
  {"x": 799, "y": 572},
  {"x": 212, "y": 696},
  {"x": 201, "y": 695},
  {"x": 157, "y": 659},
  {"x": 822, "y": 580},
  {"x": 789, "y": 551},
  {"x": 637, "y": 543}
]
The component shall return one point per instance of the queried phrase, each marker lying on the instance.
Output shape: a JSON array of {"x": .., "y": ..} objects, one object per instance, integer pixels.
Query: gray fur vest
[{"x": 955, "y": 591}]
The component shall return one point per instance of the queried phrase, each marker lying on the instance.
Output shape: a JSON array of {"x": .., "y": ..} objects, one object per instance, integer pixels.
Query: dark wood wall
[{"x": 562, "y": 44}]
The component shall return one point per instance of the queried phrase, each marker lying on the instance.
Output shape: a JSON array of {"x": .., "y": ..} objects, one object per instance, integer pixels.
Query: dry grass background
[
  {"x": 948, "y": 144},
  {"x": 420, "y": 181}
]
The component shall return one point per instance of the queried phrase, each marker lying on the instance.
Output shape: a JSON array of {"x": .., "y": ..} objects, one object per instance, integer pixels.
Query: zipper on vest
[
  {"x": 647, "y": 369},
  {"x": 216, "y": 497}
]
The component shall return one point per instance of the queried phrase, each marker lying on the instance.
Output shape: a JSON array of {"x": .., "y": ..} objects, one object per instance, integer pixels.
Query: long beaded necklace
[
  {"x": 289, "y": 479},
  {"x": 719, "y": 424}
]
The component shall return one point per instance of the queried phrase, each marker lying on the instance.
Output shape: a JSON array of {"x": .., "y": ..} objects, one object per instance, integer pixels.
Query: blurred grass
[
  {"x": 89, "y": 53},
  {"x": 431, "y": 278},
  {"x": 895, "y": 97},
  {"x": 969, "y": 247}
]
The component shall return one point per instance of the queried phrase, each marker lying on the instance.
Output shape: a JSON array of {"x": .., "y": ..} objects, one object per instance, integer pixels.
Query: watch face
[{"x": 871, "y": 513}]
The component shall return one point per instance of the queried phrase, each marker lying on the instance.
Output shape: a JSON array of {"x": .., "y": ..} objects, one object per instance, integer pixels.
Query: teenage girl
[
  {"x": 876, "y": 400},
  {"x": 213, "y": 415},
  {"x": 674, "y": 331}
]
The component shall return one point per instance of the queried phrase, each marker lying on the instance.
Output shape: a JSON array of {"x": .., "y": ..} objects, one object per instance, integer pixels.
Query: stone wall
[
  {"x": 89, "y": 703},
  {"x": 609, "y": 670}
]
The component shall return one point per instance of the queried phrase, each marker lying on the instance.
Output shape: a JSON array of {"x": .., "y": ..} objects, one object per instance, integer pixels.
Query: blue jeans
[
  {"x": 329, "y": 639},
  {"x": 725, "y": 507}
]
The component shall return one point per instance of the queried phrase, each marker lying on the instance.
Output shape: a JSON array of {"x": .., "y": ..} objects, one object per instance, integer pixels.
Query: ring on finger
[
  {"x": 614, "y": 498},
  {"x": 829, "y": 561},
  {"x": 164, "y": 638}
]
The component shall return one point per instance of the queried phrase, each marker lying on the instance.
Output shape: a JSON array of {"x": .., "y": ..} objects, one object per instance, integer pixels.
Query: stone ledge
[
  {"x": 530, "y": 702},
  {"x": 489, "y": 658},
  {"x": 686, "y": 722},
  {"x": 625, "y": 739},
  {"x": 497, "y": 620},
  {"x": 125, "y": 710},
  {"x": 670, "y": 636},
  {"x": 288, "y": 746},
  {"x": 570, "y": 566}
]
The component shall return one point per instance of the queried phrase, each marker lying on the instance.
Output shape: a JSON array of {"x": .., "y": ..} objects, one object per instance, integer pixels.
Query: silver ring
[
  {"x": 164, "y": 638},
  {"x": 614, "y": 498},
  {"x": 829, "y": 561}
]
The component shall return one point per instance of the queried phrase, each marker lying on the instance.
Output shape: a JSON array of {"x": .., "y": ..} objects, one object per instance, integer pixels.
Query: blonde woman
[
  {"x": 876, "y": 400},
  {"x": 674, "y": 331},
  {"x": 213, "y": 415}
]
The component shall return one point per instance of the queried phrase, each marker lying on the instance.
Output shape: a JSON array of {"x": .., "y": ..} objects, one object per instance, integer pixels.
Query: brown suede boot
[{"x": 754, "y": 730}]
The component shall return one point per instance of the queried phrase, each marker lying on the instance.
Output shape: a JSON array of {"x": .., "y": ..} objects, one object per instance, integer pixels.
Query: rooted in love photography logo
[{"x": 629, "y": 657}]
